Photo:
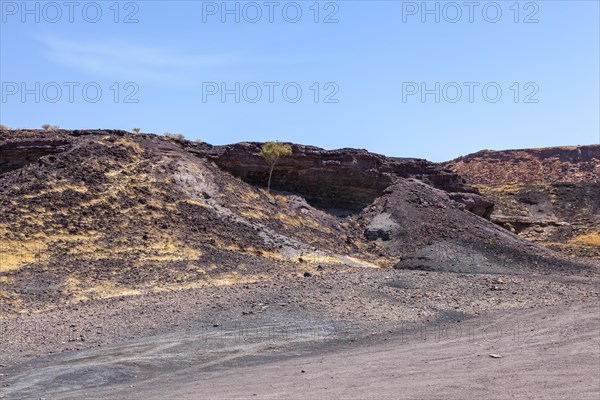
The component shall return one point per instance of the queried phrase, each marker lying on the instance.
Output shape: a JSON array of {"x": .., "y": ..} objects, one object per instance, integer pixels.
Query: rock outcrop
[
  {"x": 21, "y": 148},
  {"x": 574, "y": 164},
  {"x": 17, "y": 154},
  {"x": 342, "y": 181},
  {"x": 550, "y": 196}
]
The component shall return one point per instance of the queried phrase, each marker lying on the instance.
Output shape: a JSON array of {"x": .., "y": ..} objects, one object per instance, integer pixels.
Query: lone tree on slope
[{"x": 271, "y": 152}]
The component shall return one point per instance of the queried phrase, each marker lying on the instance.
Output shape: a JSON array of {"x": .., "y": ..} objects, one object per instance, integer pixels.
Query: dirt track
[
  {"x": 559, "y": 359},
  {"x": 547, "y": 353}
]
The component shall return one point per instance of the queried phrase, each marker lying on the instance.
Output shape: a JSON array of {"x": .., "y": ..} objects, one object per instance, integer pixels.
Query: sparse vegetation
[
  {"x": 272, "y": 152},
  {"x": 589, "y": 239},
  {"x": 174, "y": 136},
  {"x": 136, "y": 130},
  {"x": 50, "y": 128},
  {"x": 4, "y": 128}
]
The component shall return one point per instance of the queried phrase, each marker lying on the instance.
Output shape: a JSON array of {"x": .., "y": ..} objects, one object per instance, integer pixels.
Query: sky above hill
[{"x": 431, "y": 79}]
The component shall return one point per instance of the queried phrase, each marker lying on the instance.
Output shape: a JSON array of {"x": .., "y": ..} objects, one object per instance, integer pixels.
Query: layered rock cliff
[{"x": 342, "y": 181}]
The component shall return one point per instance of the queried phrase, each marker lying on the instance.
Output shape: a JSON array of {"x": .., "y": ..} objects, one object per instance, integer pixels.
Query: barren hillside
[
  {"x": 550, "y": 196},
  {"x": 99, "y": 214}
]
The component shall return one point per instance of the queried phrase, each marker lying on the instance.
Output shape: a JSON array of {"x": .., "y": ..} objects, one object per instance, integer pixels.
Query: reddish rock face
[
  {"x": 549, "y": 165},
  {"x": 550, "y": 196}
]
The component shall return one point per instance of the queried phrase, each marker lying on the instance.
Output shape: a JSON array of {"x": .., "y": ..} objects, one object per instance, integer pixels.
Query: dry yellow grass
[
  {"x": 14, "y": 254},
  {"x": 254, "y": 214},
  {"x": 249, "y": 196},
  {"x": 84, "y": 290},
  {"x": 195, "y": 202},
  {"x": 588, "y": 239},
  {"x": 57, "y": 189},
  {"x": 129, "y": 144},
  {"x": 288, "y": 220},
  {"x": 508, "y": 188},
  {"x": 356, "y": 262},
  {"x": 321, "y": 258},
  {"x": 171, "y": 251}
]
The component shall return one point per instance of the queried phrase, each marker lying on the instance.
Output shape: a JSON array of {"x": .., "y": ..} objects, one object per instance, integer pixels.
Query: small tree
[
  {"x": 271, "y": 152},
  {"x": 136, "y": 130}
]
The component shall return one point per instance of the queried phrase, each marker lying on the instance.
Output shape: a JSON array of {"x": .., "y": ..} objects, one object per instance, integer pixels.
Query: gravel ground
[{"x": 104, "y": 346}]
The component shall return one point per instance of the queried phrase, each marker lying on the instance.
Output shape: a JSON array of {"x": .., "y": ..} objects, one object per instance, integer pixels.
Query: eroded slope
[{"x": 550, "y": 196}]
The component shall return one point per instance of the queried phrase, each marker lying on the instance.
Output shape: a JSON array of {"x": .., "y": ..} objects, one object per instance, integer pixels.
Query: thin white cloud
[{"x": 130, "y": 62}]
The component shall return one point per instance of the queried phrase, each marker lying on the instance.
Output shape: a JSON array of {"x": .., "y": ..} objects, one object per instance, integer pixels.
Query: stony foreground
[{"x": 372, "y": 333}]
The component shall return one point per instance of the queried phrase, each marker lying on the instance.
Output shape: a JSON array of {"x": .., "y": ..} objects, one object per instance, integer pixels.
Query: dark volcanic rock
[
  {"x": 25, "y": 147},
  {"x": 345, "y": 180},
  {"x": 475, "y": 203},
  {"x": 341, "y": 181},
  {"x": 15, "y": 155}
]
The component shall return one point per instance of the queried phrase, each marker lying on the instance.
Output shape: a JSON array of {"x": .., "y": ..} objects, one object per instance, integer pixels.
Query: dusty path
[{"x": 547, "y": 353}]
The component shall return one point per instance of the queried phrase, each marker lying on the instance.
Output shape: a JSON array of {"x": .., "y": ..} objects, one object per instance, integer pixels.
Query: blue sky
[{"x": 361, "y": 69}]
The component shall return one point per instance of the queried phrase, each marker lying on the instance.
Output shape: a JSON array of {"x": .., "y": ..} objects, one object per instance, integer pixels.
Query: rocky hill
[
  {"x": 550, "y": 196},
  {"x": 98, "y": 214}
]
